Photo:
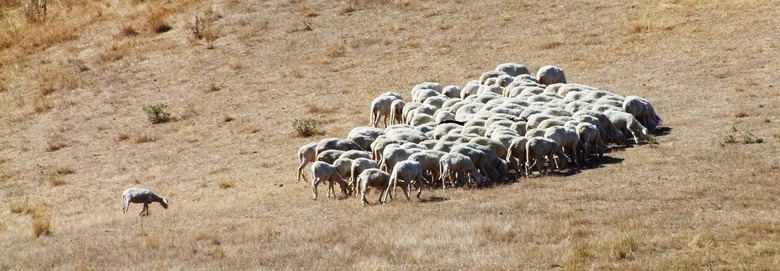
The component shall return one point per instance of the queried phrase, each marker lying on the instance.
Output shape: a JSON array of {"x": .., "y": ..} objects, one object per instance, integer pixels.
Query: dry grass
[{"x": 688, "y": 202}]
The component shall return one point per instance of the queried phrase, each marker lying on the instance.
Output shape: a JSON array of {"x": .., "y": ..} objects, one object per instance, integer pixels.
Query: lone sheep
[{"x": 141, "y": 195}]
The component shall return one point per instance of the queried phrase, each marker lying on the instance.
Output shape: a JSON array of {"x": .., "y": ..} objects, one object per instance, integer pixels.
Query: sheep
[
  {"x": 456, "y": 163},
  {"x": 365, "y": 131},
  {"x": 429, "y": 161},
  {"x": 436, "y": 101},
  {"x": 497, "y": 147},
  {"x": 306, "y": 154},
  {"x": 394, "y": 153},
  {"x": 323, "y": 172},
  {"x": 589, "y": 139},
  {"x": 396, "y": 112},
  {"x": 643, "y": 111},
  {"x": 442, "y": 115},
  {"x": 613, "y": 134},
  {"x": 380, "y": 144},
  {"x": 358, "y": 166},
  {"x": 516, "y": 151},
  {"x": 565, "y": 137},
  {"x": 470, "y": 89},
  {"x": 408, "y": 172},
  {"x": 451, "y": 91},
  {"x": 512, "y": 69},
  {"x": 141, "y": 195},
  {"x": 380, "y": 109},
  {"x": 329, "y": 156},
  {"x": 354, "y": 154},
  {"x": 556, "y": 122},
  {"x": 344, "y": 168},
  {"x": 479, "y": 158},
  {"x": 538, "y": 148},
  {"x": 550, "y": 75},
  {"x": 337, "y": 144},
  {"x": 425, "y": 85},
  {"x": 626, "y": 123},
  {"x": 374, "y": 178}
]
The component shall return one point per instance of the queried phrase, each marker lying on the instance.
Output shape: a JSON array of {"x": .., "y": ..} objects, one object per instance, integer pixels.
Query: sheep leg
[
  {"x": 145, "y": 210},
  {"x": 407, "y": 186},
  {"x": 125, "y": 204},
  {"x": 363, "y": 188},
  {"x": 314, "y": 182},
  {"x": 330, "y": 188},
  {"x": 300, "y": 170}
]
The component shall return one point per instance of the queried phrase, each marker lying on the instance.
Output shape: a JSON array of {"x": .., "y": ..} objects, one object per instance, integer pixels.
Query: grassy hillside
[{"x": 236, "y": 74}]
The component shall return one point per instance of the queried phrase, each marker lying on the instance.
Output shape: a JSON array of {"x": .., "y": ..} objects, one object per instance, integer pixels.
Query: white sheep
[
  {"x": 512, "y": 69},
  {"x": 451, "y": 91},
  {"x": 358, "y": 166},
  {"x": 516, "y": 153},
  {"x": 336, "y": 144},
  {"x": 566, "y": 138},
  {"x": 306, "y": 154},
  {"x": 380, "y": 109},
  {"x": 396, "y": 112},
  {"x": 141, "y": 195},
  {"x": 550, "y": 75},
  {"x": 429, "y": 161},
  {"x": 538, "y": 148},
  {"x": 626, "y": 123},
  {"x": 324, "y": 172},
  {"x": 590, "y": 138},
  {"x": 408, "y": 172},
  {"x": 643, "y": 111},
  {"x": 329, "y": 156},
  {"x": 460, "y": 164},
  {"x": 373, "y": 177}
]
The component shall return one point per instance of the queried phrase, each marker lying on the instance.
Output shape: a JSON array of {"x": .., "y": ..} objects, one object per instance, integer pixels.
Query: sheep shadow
[
  {"x": 602, "y": 161},
  {"x": 433, "y": 199},
  {"x": 662, "y": 131}
]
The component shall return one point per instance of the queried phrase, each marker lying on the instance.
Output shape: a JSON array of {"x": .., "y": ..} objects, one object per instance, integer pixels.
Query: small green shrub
[
  {"x": 157, "y": 113},
  {"x": 306, "y": 127}
]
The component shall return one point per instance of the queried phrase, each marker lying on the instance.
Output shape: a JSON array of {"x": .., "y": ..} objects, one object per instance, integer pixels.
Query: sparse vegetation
[
  {"x": 746, "y": 138},
  {"x": 306, "y": 127},
  {"x": 673, "y": 207},
  {"x": 157, "y": 113},
  {"x": 41, "y": 223}
]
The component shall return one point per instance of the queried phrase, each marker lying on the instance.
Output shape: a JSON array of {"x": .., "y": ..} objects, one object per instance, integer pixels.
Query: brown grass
[{"x": 685, "y": 203}]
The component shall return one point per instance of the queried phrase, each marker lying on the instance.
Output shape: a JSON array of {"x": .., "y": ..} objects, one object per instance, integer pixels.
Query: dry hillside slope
[{"x": 236, "y": 74}]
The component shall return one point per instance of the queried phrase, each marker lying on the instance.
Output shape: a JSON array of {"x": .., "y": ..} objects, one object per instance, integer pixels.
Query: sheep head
[{"x": 164, "y": 203}]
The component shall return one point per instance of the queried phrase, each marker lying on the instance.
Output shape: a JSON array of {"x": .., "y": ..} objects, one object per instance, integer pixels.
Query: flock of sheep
[{"x": 495, "y": 129}]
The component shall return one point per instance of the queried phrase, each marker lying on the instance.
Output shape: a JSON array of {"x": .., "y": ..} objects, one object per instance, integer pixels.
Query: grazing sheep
[
  {"x": 479, "y": 156},
  {"x": 354, "y": 154},
  {"x": 141, "y": 195},
  {"x": 456, "y": 163},
  {"x": 407, "y": 172},
  {"x": 566, "y": 138},
  {"x": 363, "y": 136},
  {"x": 538, "y": 148},
  {"x": 380, "y": 109},
  {"x": 516, "y": 153},
  {"x": 344, "y": 168},
  {"x": 429, "y": 161},
  {"x": 626, "y": 123},
  {"x": 337, "y": 144},
  {"x": 451, "y": 91},
  {"x": 374, "y": 178},
  {"x": 358, "y": 166},
  {"x": 512, "y": 69},
  {"x": 323, "y": 172},
  {"x": 643, "y": 111},
  {"x": 306, "y": 154},
  {"x": 550, "y": 75},
  {"x": 329, "y": 156},
  {"x": 396, "y": 112},
  {"x": 590, "y": 138}
]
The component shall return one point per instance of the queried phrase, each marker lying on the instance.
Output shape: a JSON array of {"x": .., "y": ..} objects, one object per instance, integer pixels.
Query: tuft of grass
[
  {"x": 652, "y": 142},
  {"x": 336, "y": 50},
  {"x": 307, "y": 10},
  {"x": 35, "y": 11},
  {"x": 122, "y": 137},
  {"x": 347, "y": 7},
  {"x": 623, "y": 246},
  {"x": 550, "y": 45},
  {"x": 740, "y": 114},
  {"x": 749, "y": 138},
  {"x": 21, "y": 208},
  {"x": 225, "y": 184},
  {"x": 157, "y": 113},
  {"x": 156, "y": 20},
  {"x": 306, "y": 127},
  {"x": 56, "y": 181},
  {"x": 144, "y": 138},
  {"x": 128, "y": 31},
  {"x": 214, "y": 87},
  {"x": 41, "y": 223},
  {"x": 55, "y": 143}
]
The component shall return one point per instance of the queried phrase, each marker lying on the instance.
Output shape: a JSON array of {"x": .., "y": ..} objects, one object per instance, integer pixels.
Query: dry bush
[
  {"x": 225, "y": 184},
  {"x": 122, "y": 137},
  {"x": 550, "y": 45},
  {"x": 203, "y": 28},
  {"x": 56, "y": 181},
  {"x": 307, "y": 10},
  {"x": 623, "y": 246},
  {"x": 128, "y": 31},
  {"x": 21, "y": 207},
  {"x": 56, "y": 142},
  {"x": 144, "y": 138},
  {"x": 306, "y": 127},
  {"x": 347, "y": 7},
  {"x": 214, "y": 87},
  {"x": 336, "y": 50},
  {"x": 41, "y": 222},
  {"x": 156, "y": 19}
]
